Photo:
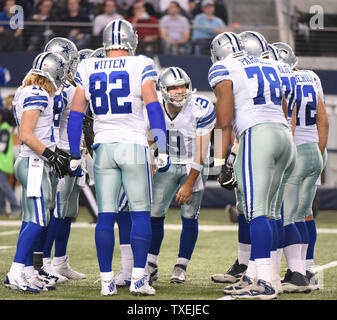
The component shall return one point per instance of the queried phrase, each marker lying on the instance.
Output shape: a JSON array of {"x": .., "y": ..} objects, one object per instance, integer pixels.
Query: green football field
[{"x": 215, "y": 252}]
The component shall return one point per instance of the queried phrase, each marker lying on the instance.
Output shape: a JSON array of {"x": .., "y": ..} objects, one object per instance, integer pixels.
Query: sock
[
  {"x": 303, "y": 229},
  {"x": 275, "y": 243},
  {"x": 152, "y": 258},
  {"x": 157, "y": 226},
  {"x": 312, "y": 231},
  {"x": 62, "y": 236},
  {"x": 140, "y": 237},
  {"x": 261, "y": 237},
  {"x": 124, "y": 226},
  {"x": 251, "y": 269},
  {"x": 244, "y": 243},
  {"x": 50, "y": 236},
  {"x": 264, "y": 269},
  {"x": 17, "y": 268},
  {"x": 292, "y": 248},
  {"x": 281, "y": 237},
  {"x": 38, "y": 250},
  {"x": 138, "y": 273},
  {"x": 26, "y": 242},
  {"x": 59, "y": 260},
  {"x": 105, "y": 240},
  {"x": 183, "y": 261},
  {"x": 29, "y": 271},
  {"x": 188, "y": 237},
  {"x": 126, "y": 258},
  {"x": 107, "y": 276}
]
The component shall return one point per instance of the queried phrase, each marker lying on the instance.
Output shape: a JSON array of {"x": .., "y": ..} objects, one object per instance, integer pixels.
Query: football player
[
  {"x": 118, "y": 87},
  {"x": 33, "y": 110},
  {"x": 67, "y": 190},
  {"x": 249, "y": 92},
  {"x": 310, "y": 136},
  {"x": 190, "y": 118}
]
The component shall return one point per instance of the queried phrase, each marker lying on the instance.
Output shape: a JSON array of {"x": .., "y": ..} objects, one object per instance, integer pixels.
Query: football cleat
[
  {"x": 19, "y": 282},
  {"x": 122, "y": 280},
  {"x": 47, "y": 267},
  {"x": 179, "y": 274},
  {"x": 50, "y": 278},
  {"x": 153, "y": 271},
  {"x": 140, "y": 287},
  {"x": 65, "y": 270},
  {"x": 313, "y": 282},
  {"x": 257, "y": 290},
  {"x": 108, "y": 288},
  {"x": 242, "y": 284},
  {"x": 37, "y": 283},
  {"x": 295, "y": 282},
  {"x": 233, "y": 275}
]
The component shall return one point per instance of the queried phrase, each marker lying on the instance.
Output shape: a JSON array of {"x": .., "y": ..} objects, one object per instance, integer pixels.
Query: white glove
[
  {"x": 163, "y": 162},
  {"x": 75, "y": 163}
]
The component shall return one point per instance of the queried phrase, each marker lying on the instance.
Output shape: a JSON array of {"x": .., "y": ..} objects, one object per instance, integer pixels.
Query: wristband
[
  {"x": 197, "y": 166},
  {"x": 219, "y": 162}
]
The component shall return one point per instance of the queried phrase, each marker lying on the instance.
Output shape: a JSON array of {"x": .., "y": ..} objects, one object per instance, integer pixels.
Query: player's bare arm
[
  {"x": 224, "y": 114},
  {"x": 27, "y": 126},
  {"x": 322, "y": 125}
]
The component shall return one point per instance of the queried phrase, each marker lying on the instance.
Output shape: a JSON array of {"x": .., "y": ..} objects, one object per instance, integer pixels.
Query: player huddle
[{"x": 147, "y": 150}]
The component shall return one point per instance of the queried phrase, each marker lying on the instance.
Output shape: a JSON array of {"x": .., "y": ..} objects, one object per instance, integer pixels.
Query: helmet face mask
[
  {"x": 51, "y": 66},
  {"x": 175, "y": 78},
  {"x": 255, "y": 44},
  {"x": 226, "y": 45},
  {"x": 67, "y": 49},
  {"x": 286, "y": 54},
  {"x": 120, "y": 35}
]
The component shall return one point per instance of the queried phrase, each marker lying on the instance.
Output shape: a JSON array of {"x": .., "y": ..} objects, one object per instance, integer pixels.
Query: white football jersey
[
  {"x": 113, "y": 86},
  {"x": 197, "y": 117},
  {"x": 35, "y": 98},
  {"x": 307, "y": 91},
  {"x": 68, "y": 94},
  {"x": 257, "y": 90}
]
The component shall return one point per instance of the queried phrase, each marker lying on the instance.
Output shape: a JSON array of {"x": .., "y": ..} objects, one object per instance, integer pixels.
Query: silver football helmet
[
  {"x": 286, "y": 54},
  {"x": 254, "y": 44},
  {"x": 120, "y": 34},
  {"x": 67, "y": 49},
  {"x": 273, "y": 52},
  {"x": 173, "y": 77},
  {"x": 226, "y": 44},
  {"x": 98, "y": 53},
  {"x": 52, "y": 66},
  {"x": 84, "y": 54}
]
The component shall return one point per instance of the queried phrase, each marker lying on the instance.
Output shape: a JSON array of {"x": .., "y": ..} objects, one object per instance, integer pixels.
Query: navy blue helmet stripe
[
  {"x": 113, "y": 33},
  {"x": 119, "y": 31},
  {"x": 173, "y": 72},
  {"x": 230, "y": 40},
  {"x": 48, "y": 54}
]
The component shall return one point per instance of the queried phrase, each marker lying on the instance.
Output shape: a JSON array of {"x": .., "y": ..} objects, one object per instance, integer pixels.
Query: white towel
[
  {"x": 35, "y": 173},
  {"x": 199, "y": 185}
]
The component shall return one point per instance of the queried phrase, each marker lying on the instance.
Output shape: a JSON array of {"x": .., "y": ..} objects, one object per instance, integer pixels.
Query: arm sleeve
[
  {"x": 217, "y": 73},
  {"x": 206, "y": 123},
  {"x": 149, "y": 71},
  {"x": 158, "y": 125},
  {"x": 74, "y": 131},
  {"x": 36, "y": 99}
]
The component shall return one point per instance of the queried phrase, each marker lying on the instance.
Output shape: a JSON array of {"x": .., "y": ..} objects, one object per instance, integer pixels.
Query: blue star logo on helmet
[
  {"x": 66, "y": 49},
  {"x": 61, "y": 64},
  {"x": 82, "y": 56}
]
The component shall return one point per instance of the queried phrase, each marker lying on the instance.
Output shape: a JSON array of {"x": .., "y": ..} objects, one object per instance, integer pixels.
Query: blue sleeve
[
  {"x": 157, "y": 124},
  {"x": 74, "y": 131}
]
